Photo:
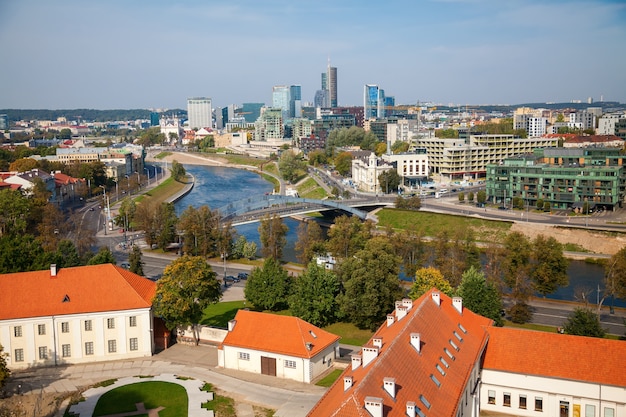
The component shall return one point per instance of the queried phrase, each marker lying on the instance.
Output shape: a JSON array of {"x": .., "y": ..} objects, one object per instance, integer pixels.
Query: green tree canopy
[
  {"x": 348, "y": 235},
  {"x": 134, "y": 259},
  {"x": 273, "y": 236},
  {"x": 5, "y": 372},
  {"x": 410, "y": 203},
  {"x": 343, "y": 163},
  {"x": 314, "y": 296},
  {"x": 201, "y": 231},
  {"x": 104, "y": 256},
  {"x": 480, "y": 296},
  {"x": 178, "y": 171},
  {"x": 371, "y": 284},
  {"x": 291, "y": 166},
  {"x": 427, "y": 278},
  {"x": 549, "y": 271},
  {"x": 187, "y": 287},
  {"x": 310, "y": 241},
  {"x": 389, "y": 181},
  {"x": 584, "y": 322},
  {"x": 268, "y": 288}
]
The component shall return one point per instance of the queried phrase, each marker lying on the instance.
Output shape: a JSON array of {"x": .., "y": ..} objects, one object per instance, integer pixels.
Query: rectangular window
[
  {"x": 244, "y": 356},
  {"x": 43, "y": 352},
  {"x": 112, "y": 346},
  {"x": 65, "y": 327},
  {"x": 88, "y": 325},
  {"x": 491, "y": 395},
  {"x": 66, "y": 351},
  {"x": 41, "y": 329},
  {"x": 110, "y": 323},
  {"x": 522, "y": 401},
  {"x": 590, "y": 410},
  {"x": 19, "y": 355},
  {"x": 88, "y": 348},
  {"x": 134, "y": 343},
  {"x": 538, "y": 404},
  {"x": 132, "y": 321},
  {"x": 17, "y": 331},
  {"x": 506, "y": 399},
  {"x": 290, "y": 364},
  {"x": 609, "y": 412}
]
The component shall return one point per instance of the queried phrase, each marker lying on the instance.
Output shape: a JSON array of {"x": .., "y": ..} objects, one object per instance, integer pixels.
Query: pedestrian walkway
[{"x": 289, "y": 398}]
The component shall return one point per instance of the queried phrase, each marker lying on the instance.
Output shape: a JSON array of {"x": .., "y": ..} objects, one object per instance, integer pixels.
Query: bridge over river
[{"x": 253, "y": 209}]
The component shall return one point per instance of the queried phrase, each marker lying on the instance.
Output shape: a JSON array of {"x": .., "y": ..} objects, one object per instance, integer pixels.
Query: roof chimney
[
  {"x": 410, "y": 408},
  {"x": 347, "y": 382},
  {"x": 401, "y": 312},
  {"x": 436, "y": 298},
  {"x": 416, "y": 341},
  {"x": 356, "y": 361},
  {"x": 53, "y": 270},
  {"x": 309, "y": 346},
  {"x": 457, "y": 302},
  {"x": 378, "y": 342},
  {"x": 390, "y": 319},
  {"x": 231, "y": 325},
  {"x": 408, "y": 303},
  {"x": 369, "y": 354},
  {"x": 374, "y": 405},
  {"x": 389, "y": 384}
]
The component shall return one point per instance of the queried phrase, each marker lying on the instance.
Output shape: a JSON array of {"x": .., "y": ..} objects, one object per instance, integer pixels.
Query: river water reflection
[{"x": 219, "y": 186}]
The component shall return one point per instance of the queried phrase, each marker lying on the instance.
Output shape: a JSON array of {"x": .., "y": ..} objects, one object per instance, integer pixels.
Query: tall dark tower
[{"x": 331, "y": 84}]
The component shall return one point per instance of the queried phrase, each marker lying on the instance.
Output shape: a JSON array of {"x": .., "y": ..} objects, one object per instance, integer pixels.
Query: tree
[
  {"x": 268, "y": 287},
  {"x": 480, "y": 296},
  {"x": 291, "y": 166},
  {"x": 104, "y": 256},
  {"x": 411, "y": 203},
  {"x": 614, "y": 277},
  {"x": 584, "y": 322},
  {"x": 178, "y": 171},
  {"x": 314, "y": 296},
  {"x": 399, "y": 147},
  {"x": 343, "y": 163},
  {"x": 348, "y": 235},
  {"x": 410, "y": 247},
  {"x": 549, "y": 271},
  {"x": 310, "y": 241},
  {"x": 461, "y": 197},
  {"x": 481, "y": 197},
  {"x": 427, "y": 278},
  {"x": 187, "y": 287},
  {"x": 470, "y": 197},
  {"x": 23, "y": 164},
  {"x": 67, "y": 254},
  {"x": 380, "y": 148},
  {"x": 201, "y": 231},
  {"x": 165, "y": 221},
  {"x": 389, "y": 180},
  {"x": 15, "y": 209},
  {"x": 371, "y": 284},
  {"x": 134, "y": 259},
  {"x": 273, "y": 236},
  {"x": 5, "y": 372}
]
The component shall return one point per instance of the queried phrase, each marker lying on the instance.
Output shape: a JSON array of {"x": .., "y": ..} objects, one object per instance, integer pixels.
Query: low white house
[
  {"x": 75, "y": 315},
  {"x": 281, "y": 346},
  {"x": 531, "y": 373}
]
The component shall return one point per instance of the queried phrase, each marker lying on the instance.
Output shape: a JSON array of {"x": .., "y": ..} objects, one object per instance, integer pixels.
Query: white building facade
[{"x": 199, "y": 112}]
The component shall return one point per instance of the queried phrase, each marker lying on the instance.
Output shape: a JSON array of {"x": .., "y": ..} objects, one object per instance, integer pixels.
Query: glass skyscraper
[{"x": 373, "y": 102}]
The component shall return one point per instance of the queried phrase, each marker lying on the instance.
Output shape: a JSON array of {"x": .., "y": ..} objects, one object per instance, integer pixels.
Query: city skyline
[{"x": 153, "y": 54}]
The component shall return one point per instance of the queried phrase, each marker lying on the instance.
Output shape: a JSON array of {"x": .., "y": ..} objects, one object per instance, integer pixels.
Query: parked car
[
  {"x": 231, "y": 278},
  {"x": 242, "y": 275}
]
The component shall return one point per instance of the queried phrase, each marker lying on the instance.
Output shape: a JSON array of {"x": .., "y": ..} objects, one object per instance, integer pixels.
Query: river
[{"x": 219, "y": 186}]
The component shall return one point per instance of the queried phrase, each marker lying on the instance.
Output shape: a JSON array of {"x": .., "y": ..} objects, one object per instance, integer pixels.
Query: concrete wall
[{"x": 208, "y": 335}]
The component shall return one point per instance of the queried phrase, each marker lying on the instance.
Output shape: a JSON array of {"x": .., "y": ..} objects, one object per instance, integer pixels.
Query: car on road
[
  {"x": 242, "y": 275},
  {"x": 230, "y": 278}
]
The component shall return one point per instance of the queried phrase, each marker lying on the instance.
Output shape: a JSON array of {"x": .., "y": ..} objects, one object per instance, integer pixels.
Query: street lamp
[{"x": 147, "y": 174}]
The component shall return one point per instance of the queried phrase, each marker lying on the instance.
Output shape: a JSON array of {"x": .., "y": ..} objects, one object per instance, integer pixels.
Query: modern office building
[
  {"x": 295, "y": 101},
  {"x": 331, "y": 85},
  {"x": 251, "y": 111},
  {"x": 199, "y": 112},
  {"x": 564, "y": 177},
  {"x": 373, "y": 102},
  {"x": 327, "y": 122},
  {"x": 412, "y": 166},
  {"x": 459, "y": 159},
  {"x": 4, "y": 122},
  {"x": 154, "y": 118},
  {"x": 281, "y": 99},
  {"x": 270, "y": 125}
]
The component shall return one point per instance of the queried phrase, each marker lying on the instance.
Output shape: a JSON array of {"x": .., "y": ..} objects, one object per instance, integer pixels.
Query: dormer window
[
  {"x": 450, "y": 355},
  {"x": 462, "y": 328},
  {"x": 458, "y": 336},
  {"x": 444, "y": 362},
  {"x": 435, "y": 380},
  {"x": 454, "y": 345}
]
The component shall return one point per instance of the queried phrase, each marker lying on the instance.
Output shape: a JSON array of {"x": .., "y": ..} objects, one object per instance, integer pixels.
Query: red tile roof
[
  {"x": 397, "y": 358},
  {"x": 280, "y": 334},
  {"x": 554, "y": 355},
  {"x": 89, "y": 289}
]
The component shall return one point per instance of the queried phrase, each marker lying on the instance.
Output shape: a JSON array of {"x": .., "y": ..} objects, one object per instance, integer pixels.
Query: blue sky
[{"x": 154, "y": 54}]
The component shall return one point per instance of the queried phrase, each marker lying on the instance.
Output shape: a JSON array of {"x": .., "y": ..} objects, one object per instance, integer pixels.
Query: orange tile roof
[
  {"x": 280, "y": 334},
  {"x": 90, "y": 289},
  {"x": 554, "y": 355},
  {"x": 412, "y": 371}
]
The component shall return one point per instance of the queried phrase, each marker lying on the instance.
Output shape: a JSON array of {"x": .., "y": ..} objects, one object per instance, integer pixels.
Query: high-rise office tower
[
  {"x": 199, "y": 112},
  {"x": 251, "y": 111},
  {"x": 373, "y": 102},
  {"x": 331, "y": 84},
  {"x": 280, "y": 99},
  {"x": 295, "y": 101}
]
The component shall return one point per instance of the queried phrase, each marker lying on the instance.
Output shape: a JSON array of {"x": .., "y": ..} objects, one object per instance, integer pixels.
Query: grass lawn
[
  {"x": 152, "y": 394},
  {"x": 223, "y": 406},
  {"x": 433, "y": 223},
  {"x": 219, "y": 314},
  {"x": 311, "y": 189},
  {"x": 328, "y": 380},
  {"x": 349, "y": 333},
  {"x": 163, "y": 191}
]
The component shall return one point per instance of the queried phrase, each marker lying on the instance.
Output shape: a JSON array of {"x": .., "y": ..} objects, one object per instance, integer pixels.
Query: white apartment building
[
  {"x": 582, "y": 119},
  {"x": 365, "y": 172},
  {"x": 403, "y": 130},
  {"x": 536, "y": 126},
  {"x": 606, "y": 123},
  {"x": 269, "y": 126},
  {"x": 412, "y": 167},
  {"x": 199, "y": 112}
]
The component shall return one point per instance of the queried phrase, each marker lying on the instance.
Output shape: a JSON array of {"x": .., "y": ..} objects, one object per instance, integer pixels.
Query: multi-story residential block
[
  {"x": 327, "y": 122},
  {"x": 606, "y": 123},
  {"x": 269, "y": 126},
  {"x": 251, "y": 111},
  {"x": 76, "y": 315},
  {"x": 199, "y": 112},
  {"x": 401, "y": 130},
  {"x": 456, "y": 159},
  {"x": 582, "y": 119},
  {"x": 563, "y": 177},
  {"x": 301, "y": 128}
]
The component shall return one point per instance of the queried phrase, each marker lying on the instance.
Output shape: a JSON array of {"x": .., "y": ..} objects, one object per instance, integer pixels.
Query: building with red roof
[
  {"x": 75, "y": 315},
  {"x": 281, "y": 346}
]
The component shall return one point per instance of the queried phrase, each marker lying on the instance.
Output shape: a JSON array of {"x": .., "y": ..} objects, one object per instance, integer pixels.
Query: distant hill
[{"x": 84, "y": 115}]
